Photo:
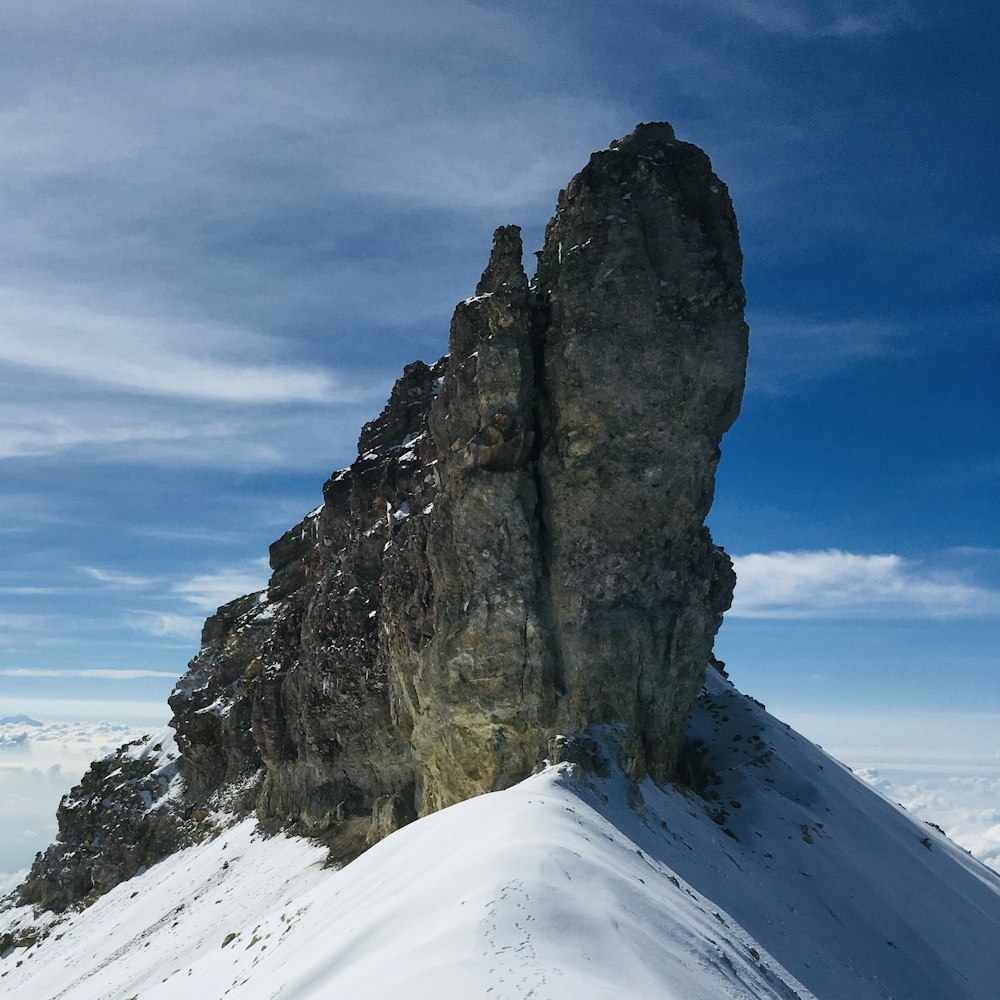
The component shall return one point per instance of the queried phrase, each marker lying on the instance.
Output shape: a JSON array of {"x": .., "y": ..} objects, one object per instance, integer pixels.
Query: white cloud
[
  {"x": 836, "y": 584},
  {"x": 153, "y": 354},
  {"x": 86, "y": 673},
  {"x": 209, "y": 591},
  {"x": 117, "y": 579},
  {"x": 167, "y": 625}
]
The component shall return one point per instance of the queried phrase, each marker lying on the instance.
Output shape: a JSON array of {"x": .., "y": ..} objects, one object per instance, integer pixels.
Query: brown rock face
[{"x": 519, "y": 549}]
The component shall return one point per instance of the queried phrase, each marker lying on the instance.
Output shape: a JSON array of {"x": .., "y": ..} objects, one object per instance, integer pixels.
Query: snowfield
[{"x": 791, "y": 878}]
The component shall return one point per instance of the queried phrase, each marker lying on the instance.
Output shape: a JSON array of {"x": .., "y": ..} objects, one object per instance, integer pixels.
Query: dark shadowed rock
[{"x": 518, "y": 552}]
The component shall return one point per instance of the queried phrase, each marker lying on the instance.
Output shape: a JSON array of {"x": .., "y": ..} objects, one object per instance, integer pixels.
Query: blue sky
[{"x": 228, "y": 227}]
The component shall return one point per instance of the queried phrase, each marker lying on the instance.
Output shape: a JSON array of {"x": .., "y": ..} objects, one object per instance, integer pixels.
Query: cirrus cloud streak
[{"x": 96, "y": 673}]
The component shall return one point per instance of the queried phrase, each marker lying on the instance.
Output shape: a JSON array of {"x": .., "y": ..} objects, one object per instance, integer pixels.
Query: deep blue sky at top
[{"x": 227, "y": 228}]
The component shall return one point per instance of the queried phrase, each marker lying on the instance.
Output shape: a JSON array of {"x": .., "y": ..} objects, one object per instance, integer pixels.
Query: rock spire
[{"x": 519, "y": 550}]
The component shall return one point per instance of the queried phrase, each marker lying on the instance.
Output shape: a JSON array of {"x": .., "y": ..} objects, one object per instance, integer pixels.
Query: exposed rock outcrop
[
  {"x": 118, "y": 820},
  {"x": 519, "y": 550}
]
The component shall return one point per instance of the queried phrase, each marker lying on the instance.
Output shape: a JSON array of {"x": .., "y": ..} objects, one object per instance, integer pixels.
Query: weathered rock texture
[{"x": 518, "y": 551}]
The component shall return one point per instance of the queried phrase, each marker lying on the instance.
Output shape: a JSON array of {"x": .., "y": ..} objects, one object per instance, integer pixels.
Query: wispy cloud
[
  {"x": 96, "y": 673},
  {"x": 977, "y": 552},
  {"x": 836, "y": 584},
  {"x": 209, "y": 591},
  {"x": 179, "y": 534},
  {"x": 154, "y": 355},
  {"x": 201, "y": 228},
  {"x": 39, "y": 420},
  {"x": 24, "y": 622},
  {"x": 25, "y": 510},
  {"x": 816, "y": 19},
  {"x": 790, "y": 351},
  {"x": 29, "y": 591},
  {"x": 166, "y": 625},
  {"x": 117, "y": 580},
  {"x": 182, "y": 392}
]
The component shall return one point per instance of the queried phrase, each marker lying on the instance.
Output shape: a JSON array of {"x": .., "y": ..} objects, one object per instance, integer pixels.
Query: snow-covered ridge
[{"x": 789, "y": 878}]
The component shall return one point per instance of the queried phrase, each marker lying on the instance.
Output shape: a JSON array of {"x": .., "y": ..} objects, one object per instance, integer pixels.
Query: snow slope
[{"x": 792, "y": 879}]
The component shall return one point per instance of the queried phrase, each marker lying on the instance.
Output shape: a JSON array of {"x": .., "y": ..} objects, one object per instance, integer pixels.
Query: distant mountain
[{"x": 19, "y": 720}]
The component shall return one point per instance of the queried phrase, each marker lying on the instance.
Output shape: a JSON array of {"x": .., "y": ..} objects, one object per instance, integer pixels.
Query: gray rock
[{"x": 645, "y": 354}]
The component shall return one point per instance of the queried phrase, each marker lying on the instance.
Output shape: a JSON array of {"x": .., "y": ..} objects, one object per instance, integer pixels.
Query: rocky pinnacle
[{"x": 519, "y": 550}]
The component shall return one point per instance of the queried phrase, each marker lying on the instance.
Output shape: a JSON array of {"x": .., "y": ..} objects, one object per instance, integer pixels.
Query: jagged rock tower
[{"x": 518, "y": 551}]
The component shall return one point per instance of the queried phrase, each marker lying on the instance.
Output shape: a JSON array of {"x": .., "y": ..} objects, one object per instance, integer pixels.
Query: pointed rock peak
[
  {"x": 647, "y": 135},
  {"x": 505, "y": 269},
  {"x": 519, "y": 550}
]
